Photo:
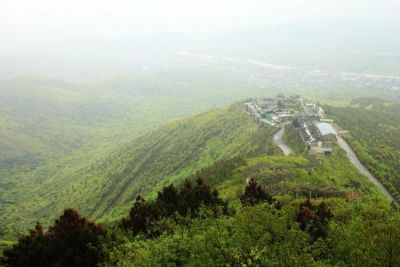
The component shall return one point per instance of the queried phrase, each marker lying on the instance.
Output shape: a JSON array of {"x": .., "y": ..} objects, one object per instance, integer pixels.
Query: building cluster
[
  {"x": 308, "y": 117},
  {"x": 272, "y": 111}
]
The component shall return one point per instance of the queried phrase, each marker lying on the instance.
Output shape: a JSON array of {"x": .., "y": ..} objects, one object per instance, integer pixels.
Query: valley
[
  {"x": 104, "y": 185},
  {"x": 199, "y": 133},
  {"x": 224, "y": 148}
]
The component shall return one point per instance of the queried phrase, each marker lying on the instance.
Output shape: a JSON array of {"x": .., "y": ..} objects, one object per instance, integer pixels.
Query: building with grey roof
[{"x": 325, "y": 129}]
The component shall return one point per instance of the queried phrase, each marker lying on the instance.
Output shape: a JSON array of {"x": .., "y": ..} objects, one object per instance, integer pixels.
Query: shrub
[
  {"x": 255, "y": 194},
  {"x": 71, "y": 241}
]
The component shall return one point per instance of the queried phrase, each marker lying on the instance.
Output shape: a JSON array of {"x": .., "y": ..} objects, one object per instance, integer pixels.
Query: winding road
[
  {"x": 278, "y": 141},
  {"x": 351, "y": 155},
  {"x": 361, "y": 168}
]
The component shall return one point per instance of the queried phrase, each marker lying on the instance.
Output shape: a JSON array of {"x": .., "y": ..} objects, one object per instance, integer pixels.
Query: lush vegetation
[
  {"x": 171, "y": 202},
  {"x": 69, "y": 242},
  {"x": 242, "y": 203},
  {"x": 354, "y": 234},
  {"x": 97, "y": 184},
  {"x": 184, "y": 227},
  {"x": 237, "y": 206},
  {"x": 293, "y": 139},
  {"x": 374, "y": 134},
  {"x": 56, "y": 137},
  {"x": 172, "y": 153}
]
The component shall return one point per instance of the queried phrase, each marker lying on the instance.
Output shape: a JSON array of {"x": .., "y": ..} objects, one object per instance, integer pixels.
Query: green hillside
[
  {"x": 277, "y": 228},
  {"x": 346, "y": 212},
  {"x": 374, "y": 134},
  {"x": 166, "y": 155},
  {"x": 355, "y": 234},
  {"x": 190, "y": 224},
  {"x": 141, "y": 166},
  {"x": 102, "y": 182},
  {"x": 302, "y": 177},
  {"x": 50, "y": 131}
]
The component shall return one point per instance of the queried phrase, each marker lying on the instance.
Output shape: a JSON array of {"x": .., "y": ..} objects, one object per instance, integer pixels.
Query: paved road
[
  {"x": 278, "y": 141},
  {"x": 360, "y": 167}
]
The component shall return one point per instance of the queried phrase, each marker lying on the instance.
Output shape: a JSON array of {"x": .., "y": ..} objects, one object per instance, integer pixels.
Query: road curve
[
  {"x": 277, "y": 138},
  {"x": 361, "y": 168}
]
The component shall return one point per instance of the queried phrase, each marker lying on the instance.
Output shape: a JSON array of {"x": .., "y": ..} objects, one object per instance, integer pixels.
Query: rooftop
[{"x": 326, "y": 128}]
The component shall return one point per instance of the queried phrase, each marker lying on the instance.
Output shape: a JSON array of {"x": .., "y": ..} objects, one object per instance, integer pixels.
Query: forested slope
[
  {"x": 140, "y": 167},
  {"x": 374, "y": 127},
  {"x": 254, "y": 211},
  {"x": 51, "y": 130},
  {"x": 193, "y": 224},
  {"x": 171, "y": 153}
]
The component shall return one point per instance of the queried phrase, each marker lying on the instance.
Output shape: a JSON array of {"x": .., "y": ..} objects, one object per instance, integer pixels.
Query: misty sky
[{"x": 25, "y": 21}]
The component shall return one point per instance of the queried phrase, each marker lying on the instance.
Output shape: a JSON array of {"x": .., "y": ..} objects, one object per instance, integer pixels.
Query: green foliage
[
  {"x": 50, "y": 130},
  {"x": 67, "y": 243},
  {"x": 220, "y": 170},
  {"x": 169, "y": 155},
  {"x": 292, "y": 138},
  {"x": 182, "y": 226},
  {"x": 300, "y": 175},
  {"x": 252, "y": 237},
  {"x": 4, "y": 244},
  {"x": 86, "y": 175},
  {"x": 104, "y": 187},
  {"x": 170, "y": 202},
  {"x": 375, "y": 136},
  {"x": 365, "y": 235},
  {"x": 359, "y": 234},
  {"x": 314, "y": 219},
  {"x": 255, "y": 194}
]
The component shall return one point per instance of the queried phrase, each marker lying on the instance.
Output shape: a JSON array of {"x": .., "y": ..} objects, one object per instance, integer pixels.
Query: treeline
[
  {"x": 171, "y": 202},
  {"x": 190, "y": 225},
  {"x": 71, "y": 241},
  {"x": 74, "y": 240},
  {"x": 300, "y": 233}
]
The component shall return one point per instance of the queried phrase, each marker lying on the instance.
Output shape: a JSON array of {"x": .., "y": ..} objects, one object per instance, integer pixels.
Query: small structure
[
  {"x": 326, "y": 130},
  {"x": 327, "y": 137}
]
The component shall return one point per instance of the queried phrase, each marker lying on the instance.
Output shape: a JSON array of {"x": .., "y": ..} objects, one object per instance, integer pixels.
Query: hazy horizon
[{"x": 25, "y": 22}]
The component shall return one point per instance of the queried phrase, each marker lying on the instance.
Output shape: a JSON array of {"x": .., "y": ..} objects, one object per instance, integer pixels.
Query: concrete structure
[{"x": 325, "y": 138}]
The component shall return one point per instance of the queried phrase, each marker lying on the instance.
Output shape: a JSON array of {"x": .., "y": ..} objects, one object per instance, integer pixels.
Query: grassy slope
[{"x": 280, "y": 173}]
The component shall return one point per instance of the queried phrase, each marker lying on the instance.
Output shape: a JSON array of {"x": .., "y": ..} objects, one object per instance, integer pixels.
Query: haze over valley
[{"x": 142, "y": 134}]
